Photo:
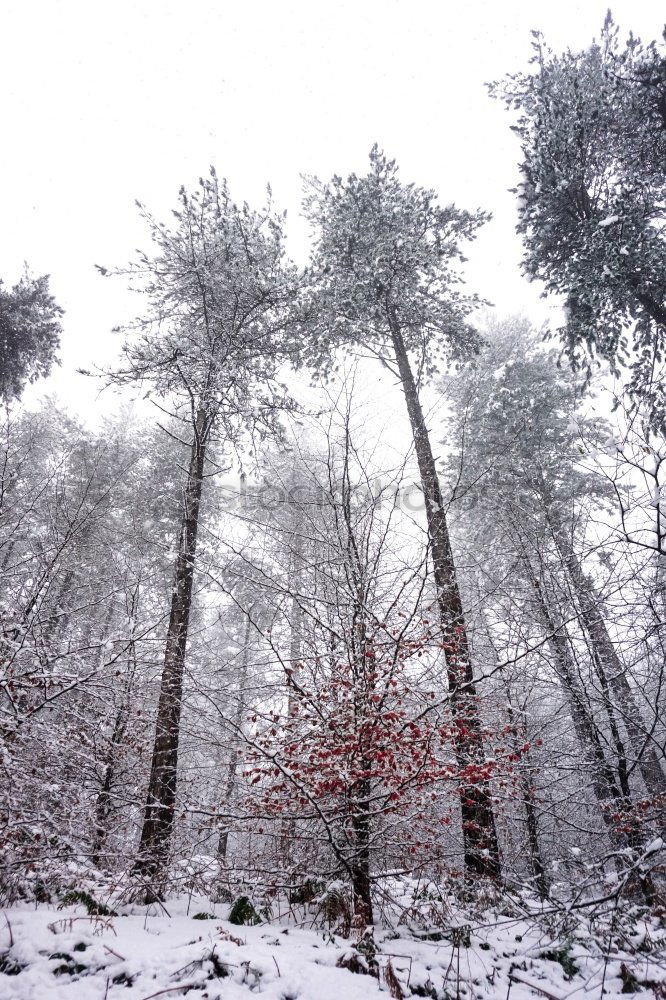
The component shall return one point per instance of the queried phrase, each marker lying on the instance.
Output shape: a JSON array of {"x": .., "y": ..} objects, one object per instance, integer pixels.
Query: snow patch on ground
[{"x": 51, "y": 954}]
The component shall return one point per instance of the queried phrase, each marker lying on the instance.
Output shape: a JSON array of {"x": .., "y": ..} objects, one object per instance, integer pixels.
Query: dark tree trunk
[
  {"x": 104, "y": 802},
  {"x": 479, "y": 834},
  {"x": 8, "y": 554},
  {"x": 360, "y": 865},
  {"x": 538, "y": 869},
  {"x": 161, "y": 799}
]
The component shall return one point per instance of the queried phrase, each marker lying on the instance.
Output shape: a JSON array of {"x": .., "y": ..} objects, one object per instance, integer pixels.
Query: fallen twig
[
  {"x": 112, "y": 952},
  {"x": 519, "y": 977},
  {"x": 172, "y": 989}
]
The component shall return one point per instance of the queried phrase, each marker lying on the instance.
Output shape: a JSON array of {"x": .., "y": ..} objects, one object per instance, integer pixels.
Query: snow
[
  {"x": 609, "y": 221},
  {"x": 53, "y": 954}
]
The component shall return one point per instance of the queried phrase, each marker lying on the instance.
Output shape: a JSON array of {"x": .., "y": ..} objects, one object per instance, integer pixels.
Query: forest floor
[{"x": 50, "y": 953}]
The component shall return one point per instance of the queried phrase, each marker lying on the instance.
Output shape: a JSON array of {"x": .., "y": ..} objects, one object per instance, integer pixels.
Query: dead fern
[{"x": 393, "y": 983}]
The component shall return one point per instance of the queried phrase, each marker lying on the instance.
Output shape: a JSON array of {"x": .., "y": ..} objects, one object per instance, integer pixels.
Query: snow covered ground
[{"x": 48, "y": 953}]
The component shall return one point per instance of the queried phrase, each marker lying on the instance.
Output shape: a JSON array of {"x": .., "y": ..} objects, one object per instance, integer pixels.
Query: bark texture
[
  {"x": 158, "y": 819},
  {"x": 479, "y": 833}
]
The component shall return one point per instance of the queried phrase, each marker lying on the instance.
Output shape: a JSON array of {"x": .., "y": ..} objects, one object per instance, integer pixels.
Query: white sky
[{"x": 103, "y": 103}]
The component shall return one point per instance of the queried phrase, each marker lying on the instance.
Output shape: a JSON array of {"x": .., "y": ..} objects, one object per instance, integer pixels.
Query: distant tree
[
  {"x": 29, "y": 334},
  {"x": 592, "y": 196},
  {"x": 385, "y": 280},
  {"x": 525, "y": 474},
  {"x": 81, "y": 604}
]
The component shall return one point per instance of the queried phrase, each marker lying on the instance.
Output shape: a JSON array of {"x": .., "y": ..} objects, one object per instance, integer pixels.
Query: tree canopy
[
  {"x": 592, "y": 196},
  {"x": 29, "y": 333}
]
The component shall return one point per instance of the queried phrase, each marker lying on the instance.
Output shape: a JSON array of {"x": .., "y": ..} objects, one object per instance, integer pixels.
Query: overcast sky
[{"x": 105, "y": 103}]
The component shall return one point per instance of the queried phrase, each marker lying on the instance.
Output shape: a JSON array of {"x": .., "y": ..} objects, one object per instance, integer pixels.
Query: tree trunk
[
  {"x": 478, "y": 822},
  {"x": 104, "y": 799},
  {"x": 288, "y": 826},
  {"x": 518, "y": 739},
  {"x": 360, "y": 865},
  {"x": 232, "y": 769},
  {"x": 604, "y": 784},
  {"x": 606, "y": 789},
  {"x": 538, "y": 869},
  {"x": 104, "y": 802},
  {"x": 611, "y": 670},
  {"x": 161, "y": 799}
]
